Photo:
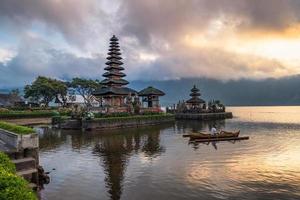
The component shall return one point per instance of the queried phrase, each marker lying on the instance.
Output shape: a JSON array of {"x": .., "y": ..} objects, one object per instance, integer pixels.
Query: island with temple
[
  {"x": 119, "y": 105},
  {"x": 115, "y": 97},
  {"x": 196, "y": 108}
]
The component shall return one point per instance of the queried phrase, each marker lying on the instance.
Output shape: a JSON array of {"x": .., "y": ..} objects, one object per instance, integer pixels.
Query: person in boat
[{"x": 213, "y": 131}]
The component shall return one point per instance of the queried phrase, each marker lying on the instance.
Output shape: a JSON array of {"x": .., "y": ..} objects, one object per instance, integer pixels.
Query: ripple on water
[{"x": 157, "y": 163}]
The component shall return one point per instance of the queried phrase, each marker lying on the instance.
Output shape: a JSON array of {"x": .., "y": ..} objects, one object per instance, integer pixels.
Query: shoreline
[{"x": 30, "y": 121}]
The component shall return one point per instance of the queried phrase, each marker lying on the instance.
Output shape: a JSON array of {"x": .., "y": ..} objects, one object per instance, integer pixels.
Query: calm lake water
[{"x": 158, "y": 163}]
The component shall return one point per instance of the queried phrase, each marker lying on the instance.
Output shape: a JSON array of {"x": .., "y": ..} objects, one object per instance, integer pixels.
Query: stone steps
[
  {"x": 28, "y": 174},
  {"x": 33, "y": 186},
  {"x": 26, "y": 167},
  {"x": 24, "y": 163}
]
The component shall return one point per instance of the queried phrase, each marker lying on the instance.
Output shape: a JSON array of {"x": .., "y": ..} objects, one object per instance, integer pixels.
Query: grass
[
  {"x": 27, "y": 114},
  {"x": 6, "y": 164},
  {"x": 22, "y": 130},
  {"x": 12, "y": 186}
]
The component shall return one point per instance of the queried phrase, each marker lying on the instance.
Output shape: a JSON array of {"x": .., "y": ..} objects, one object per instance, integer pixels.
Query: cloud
[
  {"x": 209, "y": 62},
  {"x": 74, "y": 19},
  {"x": 37, "y": 57},
  {"x": 215, "y": 25},
  {"x": 65, "y": 38},
  {"x": 172, "y": 18}
]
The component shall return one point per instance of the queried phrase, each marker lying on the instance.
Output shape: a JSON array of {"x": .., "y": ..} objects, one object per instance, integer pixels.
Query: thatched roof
[
  {"x": 114, "y": 91},
  {"x": 151, "y": 91}
]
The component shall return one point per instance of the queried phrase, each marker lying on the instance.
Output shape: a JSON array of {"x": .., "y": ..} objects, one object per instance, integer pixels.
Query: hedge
[
  {"x": 125, "y": 114},
  {"x": 12, "y": 186},
  {"x": 137, "y": 117},
  {"x": 16, "y": 128},
  {"x": 119, "y": 114},
  {"x": 27, "y": 114}
]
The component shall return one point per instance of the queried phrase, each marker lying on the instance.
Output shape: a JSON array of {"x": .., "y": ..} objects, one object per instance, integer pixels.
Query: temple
[
  {"x": 150, "y": 98},
  {"x": 196, "y": 108},
  {"x": 195, "y": 102},
  {"x": 113, "y": 94},
  {"x": 197, "y": 105}
]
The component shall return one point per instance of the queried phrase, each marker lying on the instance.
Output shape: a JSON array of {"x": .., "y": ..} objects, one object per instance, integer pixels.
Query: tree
[
  {"x": 15, "y": 92},
  {"x": 60, "y": 90},
  {"x": 14, "y": 95},
  {"x": 85, "y": 87},
  {"x": 44, "y": 90}
]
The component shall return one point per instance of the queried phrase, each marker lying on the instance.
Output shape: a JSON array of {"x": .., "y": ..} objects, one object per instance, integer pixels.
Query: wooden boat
[{"x": 222, "y": 134}]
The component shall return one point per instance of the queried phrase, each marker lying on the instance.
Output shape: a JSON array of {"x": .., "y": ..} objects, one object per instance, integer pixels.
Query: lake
[{"x": 158, "y": 163}]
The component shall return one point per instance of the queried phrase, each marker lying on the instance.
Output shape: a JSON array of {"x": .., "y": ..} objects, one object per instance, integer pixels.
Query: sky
[{"x": 160, "y": 40}]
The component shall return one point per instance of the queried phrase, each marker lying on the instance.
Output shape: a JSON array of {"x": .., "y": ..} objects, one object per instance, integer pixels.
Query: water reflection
[
  {"x": 186, "y": 126},
  {"x": 114, "y": 149},
  {"x": 158, "y": 163}
]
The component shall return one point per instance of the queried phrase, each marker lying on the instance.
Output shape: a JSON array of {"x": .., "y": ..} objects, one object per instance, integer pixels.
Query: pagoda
[
  {"x": 113, "y": 92},
  {"x": 195, "y": 101}
]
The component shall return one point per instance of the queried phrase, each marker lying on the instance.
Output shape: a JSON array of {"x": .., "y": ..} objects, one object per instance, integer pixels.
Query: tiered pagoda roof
[
  {"x": 195, "y": 94},
  {"x": 114, "y": 82},
  {"x": 114, "y": 75}
]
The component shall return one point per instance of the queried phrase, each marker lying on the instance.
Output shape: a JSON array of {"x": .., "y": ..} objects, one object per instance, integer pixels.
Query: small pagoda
[
  {"x": 150, "y": 96},
  {"x": 114, "y": 93},
  {"x": 195, "y": 108},
  {"x": 195, "y": 102}
]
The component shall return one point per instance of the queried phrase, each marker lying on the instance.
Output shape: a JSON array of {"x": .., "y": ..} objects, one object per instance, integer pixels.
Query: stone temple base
[{"x": 204, "y": 116}]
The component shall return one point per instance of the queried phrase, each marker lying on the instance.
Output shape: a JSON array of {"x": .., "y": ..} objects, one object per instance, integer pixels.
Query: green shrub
[
  {"x": 6, "y": 164},
  {"x": 118, "y": 114},
  {"x": 4, "y": 110},
  {"x": 59, "y": 119},
  {"x": 152, "y": 113},
  {"x": 137, "y": 117},
  {"x": 15, "y": 128},
  {"x": 65, "y": 111},
  {"x": 22, "y": 108},
  {"x": 99, "y": 115},
  {"x": 13, "y": 187},
  {"x": 26, "y": 114}
]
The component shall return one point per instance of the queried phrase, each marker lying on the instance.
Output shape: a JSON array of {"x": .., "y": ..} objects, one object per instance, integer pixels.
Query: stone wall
[
  {"x": 123, "y": 122},
  {"x": 59, "y": 122},
  {"x": 204, "y": 116},
  {"x": 9, "y": 138},
  {"x": 71, "y": 124},
  {"x": 18, "y": 141}
]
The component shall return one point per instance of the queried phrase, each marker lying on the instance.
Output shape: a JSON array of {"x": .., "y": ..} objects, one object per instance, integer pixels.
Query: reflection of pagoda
[
  {"x": 113, "y": 92},
  {"x": 195, "y": 101},
  {"x": 114, "y": 156},
  {"x": 114, "y": 151}
]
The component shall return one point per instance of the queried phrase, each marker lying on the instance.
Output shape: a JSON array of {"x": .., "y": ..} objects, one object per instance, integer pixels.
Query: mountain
[{"x": 245, "y": 92}]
